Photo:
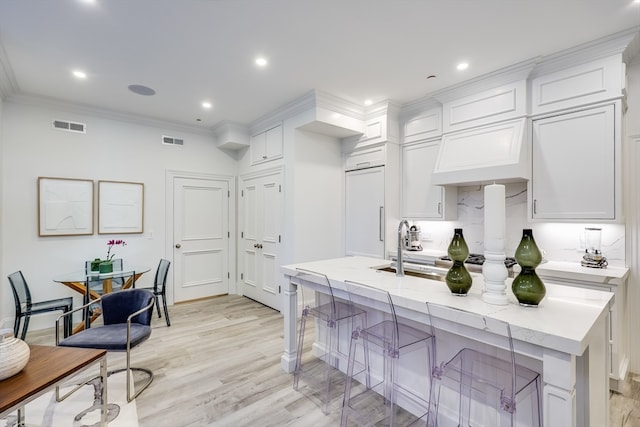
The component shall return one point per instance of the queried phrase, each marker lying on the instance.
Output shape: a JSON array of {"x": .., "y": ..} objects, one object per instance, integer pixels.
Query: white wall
[
  {"x": 318, "y": 198},
  {"x": 110, "y": 150}
]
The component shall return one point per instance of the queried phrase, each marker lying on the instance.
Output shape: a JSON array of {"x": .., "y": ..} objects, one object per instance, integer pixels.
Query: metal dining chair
[
  {"x": 26, "y": 307},
  {"x": 126, "y": 324}
]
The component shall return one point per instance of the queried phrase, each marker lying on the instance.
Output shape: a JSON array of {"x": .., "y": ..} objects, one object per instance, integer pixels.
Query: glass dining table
[{"x": 80, "y": 282}]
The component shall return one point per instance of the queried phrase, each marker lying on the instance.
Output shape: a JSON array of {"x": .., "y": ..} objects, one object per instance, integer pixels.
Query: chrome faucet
[{"x": 399, "y": 261}]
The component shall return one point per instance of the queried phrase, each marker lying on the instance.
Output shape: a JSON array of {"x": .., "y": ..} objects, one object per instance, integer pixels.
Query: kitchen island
[{"x": 565, "y": 338}]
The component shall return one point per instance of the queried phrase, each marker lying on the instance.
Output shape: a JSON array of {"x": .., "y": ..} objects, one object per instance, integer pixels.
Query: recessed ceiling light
[
  {"x": 261, "y": 61},
  {"x": 368, "y": 102},
  {"x": 206, "y": 104},
  {"x": 462, "y": 66},
  {"x": 79, "y": 74},
  {"x": 142, "y": 90}
]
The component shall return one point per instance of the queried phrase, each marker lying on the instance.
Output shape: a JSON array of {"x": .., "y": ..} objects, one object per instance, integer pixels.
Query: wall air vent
[
  {"x": 170, "y": 140},
  {"x": 70, "y": 126}
]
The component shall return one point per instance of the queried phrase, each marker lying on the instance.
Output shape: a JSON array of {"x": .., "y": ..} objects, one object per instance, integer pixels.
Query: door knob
[{"x": 178, "y": 246}]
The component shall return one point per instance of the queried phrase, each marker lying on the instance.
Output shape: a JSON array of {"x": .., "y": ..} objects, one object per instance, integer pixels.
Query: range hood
[{"x": 493, "y": 153}]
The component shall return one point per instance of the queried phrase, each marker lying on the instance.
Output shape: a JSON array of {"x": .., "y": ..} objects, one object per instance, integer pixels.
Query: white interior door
[
  {"x": 364, "y": 192},
  {"x": 261, "y": 202},
  {"x": 201, "y": 238}
]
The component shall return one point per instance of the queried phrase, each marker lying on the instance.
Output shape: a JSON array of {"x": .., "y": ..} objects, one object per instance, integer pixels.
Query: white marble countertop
[
  {"x": 563, "y": 321},
  {"x": 573, "y": 270}
]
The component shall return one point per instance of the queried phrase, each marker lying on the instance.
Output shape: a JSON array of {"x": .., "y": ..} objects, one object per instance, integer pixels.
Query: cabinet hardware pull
[
  {"x": 535, "y": 206},
  {"x": 362, "y": 164},
  {"x": 439, "y": 208},
  {"x": 178, "y": 246}
]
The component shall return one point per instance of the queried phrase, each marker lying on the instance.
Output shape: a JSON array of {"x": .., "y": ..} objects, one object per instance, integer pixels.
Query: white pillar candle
[{"x": 494, "y": 271}]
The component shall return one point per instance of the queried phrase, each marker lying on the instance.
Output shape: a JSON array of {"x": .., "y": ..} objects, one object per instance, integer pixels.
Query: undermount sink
[{"x": 420, "y": 271}]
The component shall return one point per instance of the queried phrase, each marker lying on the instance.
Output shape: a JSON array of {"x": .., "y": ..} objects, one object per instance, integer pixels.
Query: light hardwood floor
[{"x": 219, "y": 365}]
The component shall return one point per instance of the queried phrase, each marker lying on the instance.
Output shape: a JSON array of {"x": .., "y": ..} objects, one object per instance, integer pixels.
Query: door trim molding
[{"x": 170, "y": 176}]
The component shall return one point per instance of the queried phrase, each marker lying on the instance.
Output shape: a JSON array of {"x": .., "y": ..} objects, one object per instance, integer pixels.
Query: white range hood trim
[{"x": 497, "y": 152}]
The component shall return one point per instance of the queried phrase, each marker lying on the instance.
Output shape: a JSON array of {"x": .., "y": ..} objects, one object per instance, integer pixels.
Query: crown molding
[
  {"x": 503, "y": 76},
  {"x": 622, "y": 43},
  {"x": 413, "y": 108},
  {"x": 41, "y": 101}
]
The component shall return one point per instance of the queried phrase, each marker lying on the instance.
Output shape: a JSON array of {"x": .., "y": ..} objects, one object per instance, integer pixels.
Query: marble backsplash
[{"x": 559, "y": 241}]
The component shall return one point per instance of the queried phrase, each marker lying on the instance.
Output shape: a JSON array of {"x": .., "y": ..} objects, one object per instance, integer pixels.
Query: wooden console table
[{"x": 48, "y": 367}]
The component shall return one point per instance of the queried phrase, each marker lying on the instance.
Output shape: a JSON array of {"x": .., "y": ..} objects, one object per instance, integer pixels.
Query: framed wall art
[
  {"x": 120, "y": 207},
  {"x": 65, "y": 206}
]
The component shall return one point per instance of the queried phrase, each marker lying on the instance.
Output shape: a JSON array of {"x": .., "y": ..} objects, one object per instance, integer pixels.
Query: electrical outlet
[{"x": 426, "y": 237}]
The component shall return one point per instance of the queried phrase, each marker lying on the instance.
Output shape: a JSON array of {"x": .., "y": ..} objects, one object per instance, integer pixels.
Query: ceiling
[{"x": 190, "y": 51}]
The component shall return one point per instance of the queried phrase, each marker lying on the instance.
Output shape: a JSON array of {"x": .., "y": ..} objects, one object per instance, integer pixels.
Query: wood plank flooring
[{"x": 219, "y": 365}]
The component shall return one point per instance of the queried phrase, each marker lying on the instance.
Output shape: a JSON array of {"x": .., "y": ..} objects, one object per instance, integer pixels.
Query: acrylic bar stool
[
  {"x": 372, "y": 391},
  {"x": 484, "y": 386},
  {"x": 320, "y": 378}
]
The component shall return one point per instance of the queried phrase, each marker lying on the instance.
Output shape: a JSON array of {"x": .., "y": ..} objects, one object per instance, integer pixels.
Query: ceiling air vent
[
  {"x": 169, "y": 140},
  {"x": 69, "y": 126}
]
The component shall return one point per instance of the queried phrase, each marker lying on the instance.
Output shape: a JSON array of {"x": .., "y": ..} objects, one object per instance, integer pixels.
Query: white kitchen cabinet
[
  {"x": 612, "y": 279},
  {"x": 420, "y": 198},
  {"x": 506, "y": 102},
  {"x": 267, "y": 145},
  {"x": 573, "y": 165},
  {"x": 367, "y": 158},
  {"x": 595, "y": 81},
  {"x": 365, "y": 212},
  {"x": 422, "y": 125}
]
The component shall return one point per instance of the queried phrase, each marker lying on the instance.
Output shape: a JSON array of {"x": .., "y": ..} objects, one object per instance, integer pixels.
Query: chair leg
[
  {"x": 155, "y": 297},
  {"x": 25, "y": 326},
  {"x": 16, "y": 326},
  {"x": 346, "y": 399},
  {"x": 166, "y": 311},
  {"x": 298, "y": 367}
]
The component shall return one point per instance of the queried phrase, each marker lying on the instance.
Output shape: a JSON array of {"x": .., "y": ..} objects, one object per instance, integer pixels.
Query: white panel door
[
  {"x": 365, "y": 212},
  {"x": 261, "y": 202},
  {"x": 201, "y": 238}
]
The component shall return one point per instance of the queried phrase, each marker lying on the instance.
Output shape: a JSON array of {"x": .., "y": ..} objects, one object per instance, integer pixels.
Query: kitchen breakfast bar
[{"x": 565, "y": 339}]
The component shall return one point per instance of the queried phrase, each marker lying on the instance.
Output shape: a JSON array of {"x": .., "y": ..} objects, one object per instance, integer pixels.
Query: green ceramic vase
[
  {"x": 458, "y": 278},
  {"x": 527, "y": 286}
]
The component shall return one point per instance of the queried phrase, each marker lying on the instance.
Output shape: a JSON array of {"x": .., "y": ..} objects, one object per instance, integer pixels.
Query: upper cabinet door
[
  {"x": 573, "y": 174},
  {"x": 267, "y": 145},
  {"x": 421, "y": 199}
]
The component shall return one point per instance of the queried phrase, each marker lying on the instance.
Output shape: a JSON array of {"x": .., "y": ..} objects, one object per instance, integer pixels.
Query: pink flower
[{"x": 110, "y": 243}]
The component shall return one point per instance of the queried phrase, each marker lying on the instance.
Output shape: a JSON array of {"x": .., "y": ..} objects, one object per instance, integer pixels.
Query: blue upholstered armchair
[{"x": 126, "y": 324}]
